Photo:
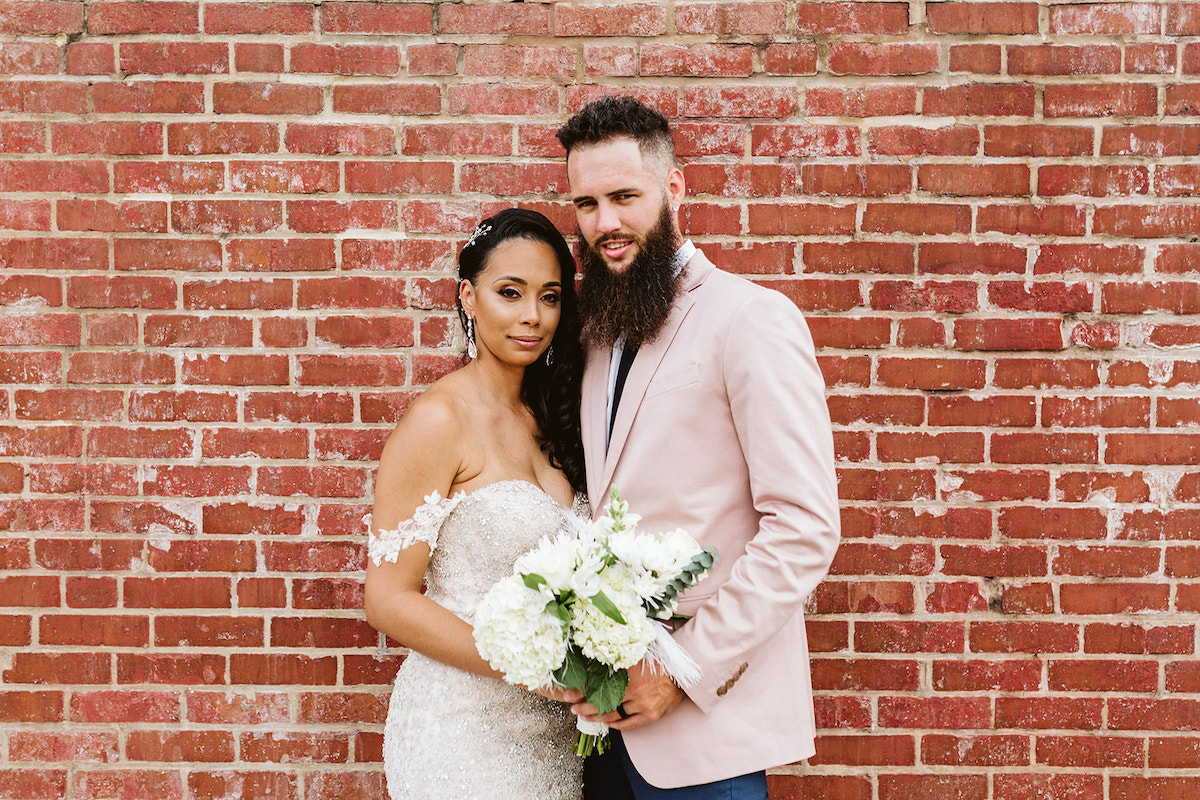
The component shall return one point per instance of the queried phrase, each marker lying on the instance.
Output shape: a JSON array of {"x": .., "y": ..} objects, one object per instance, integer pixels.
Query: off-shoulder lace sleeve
[{"x": 424, "y": 526}]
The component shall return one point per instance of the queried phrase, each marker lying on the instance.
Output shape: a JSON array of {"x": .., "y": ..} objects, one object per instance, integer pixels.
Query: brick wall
[{"x": 227, "y": 234}]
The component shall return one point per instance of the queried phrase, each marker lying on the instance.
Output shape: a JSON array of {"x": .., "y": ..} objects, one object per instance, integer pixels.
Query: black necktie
[{"x": 627, "y": 355}]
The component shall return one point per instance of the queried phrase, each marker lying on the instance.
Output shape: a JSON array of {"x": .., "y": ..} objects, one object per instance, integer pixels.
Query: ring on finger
[{"x": 621, "y": 710}]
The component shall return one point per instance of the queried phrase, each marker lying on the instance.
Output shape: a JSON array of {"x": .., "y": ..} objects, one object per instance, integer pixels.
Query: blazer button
[{"x": 721, "y": 692}]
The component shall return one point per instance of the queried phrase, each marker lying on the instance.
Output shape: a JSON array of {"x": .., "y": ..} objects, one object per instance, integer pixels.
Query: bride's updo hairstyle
[{"x": 551, "y": 391}]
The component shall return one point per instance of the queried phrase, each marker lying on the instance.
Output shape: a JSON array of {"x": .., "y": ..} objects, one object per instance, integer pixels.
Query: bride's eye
[{"x": 510, "y": 292}]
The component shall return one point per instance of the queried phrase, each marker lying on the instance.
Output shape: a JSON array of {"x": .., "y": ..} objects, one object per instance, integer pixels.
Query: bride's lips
[{"x": 527, "y": 341}]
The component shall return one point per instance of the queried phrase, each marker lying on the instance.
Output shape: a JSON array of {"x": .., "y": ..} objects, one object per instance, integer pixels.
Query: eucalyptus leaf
[{"x": 534, "y": 581}]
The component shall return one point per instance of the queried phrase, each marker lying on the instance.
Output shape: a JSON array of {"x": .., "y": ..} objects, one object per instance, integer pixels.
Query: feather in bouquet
[{"x": 583, "y": 607}]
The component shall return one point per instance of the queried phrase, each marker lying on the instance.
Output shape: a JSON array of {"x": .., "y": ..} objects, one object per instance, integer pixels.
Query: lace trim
[{"x": 424, "y": 527}]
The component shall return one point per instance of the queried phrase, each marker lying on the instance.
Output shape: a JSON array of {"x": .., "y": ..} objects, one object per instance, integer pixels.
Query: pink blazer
[{"x": 723, "y": 430}]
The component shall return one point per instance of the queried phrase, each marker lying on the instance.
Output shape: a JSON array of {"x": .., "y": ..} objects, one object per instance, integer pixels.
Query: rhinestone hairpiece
[{"x": 477, "y": 234}]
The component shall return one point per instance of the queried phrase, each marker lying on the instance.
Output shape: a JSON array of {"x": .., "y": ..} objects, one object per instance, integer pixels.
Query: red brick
[
  {"x": 234, "y": 18},
  {"x": 120, "y": 442},
  {"x": 1106, "y": 675},
  {"x": 1090, "y": 751},
  {"x": 803, "y": 141},
  {"x": 981, "y": 59},
  {"x": 432, "y": 59},
  {"x": 882, "y": 59},
  {"x": 382, "y": 18},
  {"x": 26, "y": 706},
  {"x": 55, "y": 440},
  {"x": 265, "y": 98},
  {"x": 908, "y": 637},
  {"x": 951, "y": 787},
  {"x": 1131, "y": 100},
  {"x": 193, "y": 406},
  {"x": 208, "y": 631},
  {"x": 863, "y": 750},
  {"x": 695, "y": 61},
  {"x": 983, "y": 18},
  {"x": 1033, "y": 220},
  {"x": 140, "y": 784},
  {"x": 1138, "y": 639},
  {"x": 28, "y": 58},
  {"x": 1150, "y": 59},
  {"x": 91, "y": 58},
  {"x": 125, "y": 706},
  {"x": 396, "y": 99},
  {"x": 1018, "y": 373},
  {"x": 976, "y": 750},
  {"x": 980, "y": 100},
  {"x": 225, "y": 216},
  {"x": 194, "y": 177},
  {"x": 345, "y": 59},
  {"x": 1053, "y": 59},
  {"x": 1112, "y": 18},
  {"x": 1159, "y": 141},
  {"x": 190, "y": 592},
  {"x": 1008, "y": 675},
  {"x": 168, "y": 745},
  {"x": 134, "y": 517},
  {"x": 338, "y": 139},
  {"x": 1031, "y": 141},
  {"x": 331, "y": 216},
  {"x": 241, "y": 782},
  {"x": 790, "y": 59},
  {"x": 325, "y": 407},
  {"x": 58, "y": 668},
  {"x": 120, "y": 368},
  {"x": 927, "y": 219},
  {"x": 167, "y": 58},
  {"x": 905, "y": 140},
  {"x": 281, "y": 669},
  {"x": 1025, "y": 637},
  {"x": 258, "y": 57},
  {"x": 854, "y": 257},
  {"x": 117, "y": 17},
  {"x": 526, "y": 60}
]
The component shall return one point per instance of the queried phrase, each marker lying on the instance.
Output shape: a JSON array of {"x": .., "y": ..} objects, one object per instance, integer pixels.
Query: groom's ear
[{"x": 675, "y": 187}]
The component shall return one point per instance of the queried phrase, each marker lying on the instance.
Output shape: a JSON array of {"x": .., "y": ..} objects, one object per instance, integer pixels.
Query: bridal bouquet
[{"x": 583, "y": 607}]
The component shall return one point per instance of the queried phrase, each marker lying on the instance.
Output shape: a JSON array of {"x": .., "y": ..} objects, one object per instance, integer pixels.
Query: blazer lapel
[
  {"x": 592, "y": 421},
  {"x": 649, "y": 356}
]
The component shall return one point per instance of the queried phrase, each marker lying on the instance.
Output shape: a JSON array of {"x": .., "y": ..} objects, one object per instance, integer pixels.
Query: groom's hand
[
  {"x": 651, "y": 695},
  {"x": 559, "y": 693}
]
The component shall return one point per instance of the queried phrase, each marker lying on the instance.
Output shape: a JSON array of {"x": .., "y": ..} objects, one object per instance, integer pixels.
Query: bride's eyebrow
[{"x": 523, "y": 282}]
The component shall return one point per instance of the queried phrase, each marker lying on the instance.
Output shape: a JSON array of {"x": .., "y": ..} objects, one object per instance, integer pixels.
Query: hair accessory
[
  {"x": 550, "y": 356},
  {"x": 480, "y": 231},
  {"x": 472, "y": 351}
]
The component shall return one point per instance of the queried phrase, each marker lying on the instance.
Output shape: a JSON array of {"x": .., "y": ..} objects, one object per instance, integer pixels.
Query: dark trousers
[{"x": 612, "y": 777}]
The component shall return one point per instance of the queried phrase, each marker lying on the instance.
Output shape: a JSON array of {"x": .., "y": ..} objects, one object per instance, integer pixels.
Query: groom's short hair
[{"x": 612, "y": 117}]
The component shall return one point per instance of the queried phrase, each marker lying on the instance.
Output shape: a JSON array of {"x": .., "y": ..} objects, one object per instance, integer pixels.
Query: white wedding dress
[{"x": 450, "y": 734}]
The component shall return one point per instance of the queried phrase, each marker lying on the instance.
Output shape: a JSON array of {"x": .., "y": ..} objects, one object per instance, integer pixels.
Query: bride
[{"x": 486, "y": 462}]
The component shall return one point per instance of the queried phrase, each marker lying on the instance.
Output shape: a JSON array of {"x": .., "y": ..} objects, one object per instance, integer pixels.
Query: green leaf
[
  {"x": 560, "y": 611},
  {"x": 608, "y": 608},
  {"x": 607, "y": 693},
  {"x": 534, "y": 581},
  {"x": 573, "y": 673}
]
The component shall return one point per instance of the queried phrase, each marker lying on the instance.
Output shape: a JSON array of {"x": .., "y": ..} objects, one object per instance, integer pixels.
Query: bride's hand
[{"x": 559, "y": 693}]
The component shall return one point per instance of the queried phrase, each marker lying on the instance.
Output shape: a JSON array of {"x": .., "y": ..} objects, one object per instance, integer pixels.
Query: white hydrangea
[
  {"x": 600, "y": 638},
  {"x": 517, "y": 636}
]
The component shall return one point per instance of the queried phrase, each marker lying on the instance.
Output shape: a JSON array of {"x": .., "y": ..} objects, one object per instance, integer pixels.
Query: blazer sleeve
[{"x": 777, "y": 403}]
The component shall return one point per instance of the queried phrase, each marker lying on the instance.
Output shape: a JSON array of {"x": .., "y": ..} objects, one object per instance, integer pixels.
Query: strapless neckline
[{"x": 463, "y": 496}]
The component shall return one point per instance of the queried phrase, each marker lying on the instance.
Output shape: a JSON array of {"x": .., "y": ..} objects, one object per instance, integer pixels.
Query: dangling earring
[
  {"x": 550, "y": 356},
  {"x": 472, "y": 351}
]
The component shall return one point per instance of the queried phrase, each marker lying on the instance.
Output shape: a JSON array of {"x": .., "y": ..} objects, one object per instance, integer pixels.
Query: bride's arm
[{"x": 421, "y": 456}]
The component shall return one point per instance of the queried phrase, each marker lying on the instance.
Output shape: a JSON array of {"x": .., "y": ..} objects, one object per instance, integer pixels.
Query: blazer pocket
[{"x": 677, "y": 379}]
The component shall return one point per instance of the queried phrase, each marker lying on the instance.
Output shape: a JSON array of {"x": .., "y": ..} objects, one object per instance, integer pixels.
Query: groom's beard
[{"x": 636, "y": 301}]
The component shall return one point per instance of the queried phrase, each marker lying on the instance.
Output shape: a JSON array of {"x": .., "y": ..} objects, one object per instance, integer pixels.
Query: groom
[{"x": 703, "y": 404}]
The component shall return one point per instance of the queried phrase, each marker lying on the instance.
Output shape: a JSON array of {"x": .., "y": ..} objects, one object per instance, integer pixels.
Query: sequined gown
[{"x": 450, "y": 734}]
